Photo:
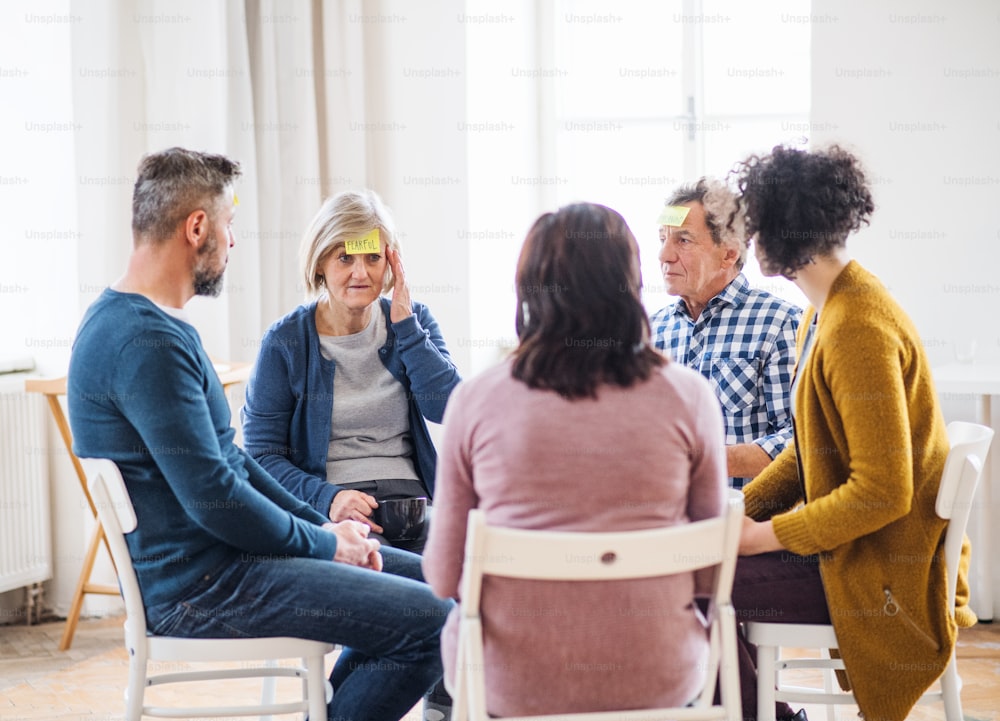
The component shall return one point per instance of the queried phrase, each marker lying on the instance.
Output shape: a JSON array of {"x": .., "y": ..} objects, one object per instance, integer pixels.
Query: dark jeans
[
  {"x": 778, "y": 587},
  {"x": 389, "y": 623}
]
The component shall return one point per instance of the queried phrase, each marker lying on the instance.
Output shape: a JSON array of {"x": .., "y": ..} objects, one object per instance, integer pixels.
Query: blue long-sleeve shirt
[
  {"x": 142, "y": 391},
  {"x": 289, "y": 402}
]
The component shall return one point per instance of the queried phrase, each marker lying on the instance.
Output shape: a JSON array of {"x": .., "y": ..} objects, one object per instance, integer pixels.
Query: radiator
[{"x": 25, "y": 534}]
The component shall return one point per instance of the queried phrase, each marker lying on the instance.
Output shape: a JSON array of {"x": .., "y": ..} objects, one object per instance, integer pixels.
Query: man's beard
[{"x": 207, "y": 281}]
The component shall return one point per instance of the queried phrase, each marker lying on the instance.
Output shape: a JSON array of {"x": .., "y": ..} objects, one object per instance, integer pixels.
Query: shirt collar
[{"x": 733, "y": 294}]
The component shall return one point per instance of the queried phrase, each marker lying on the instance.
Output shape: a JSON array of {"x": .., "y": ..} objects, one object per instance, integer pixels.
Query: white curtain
[{"x": 276, "y": 85}]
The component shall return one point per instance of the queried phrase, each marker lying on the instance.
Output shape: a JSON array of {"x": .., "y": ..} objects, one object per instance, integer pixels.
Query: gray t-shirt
[{"x": 370, "y": 432}]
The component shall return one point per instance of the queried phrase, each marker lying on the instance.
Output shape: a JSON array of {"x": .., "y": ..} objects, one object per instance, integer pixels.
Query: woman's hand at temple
[{"x": 401, "y": 305}]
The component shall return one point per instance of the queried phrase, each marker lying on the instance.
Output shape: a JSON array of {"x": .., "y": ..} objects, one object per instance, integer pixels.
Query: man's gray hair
[
  {"x": 723, "y": 214},
  {"x": 173, "y": 183}
]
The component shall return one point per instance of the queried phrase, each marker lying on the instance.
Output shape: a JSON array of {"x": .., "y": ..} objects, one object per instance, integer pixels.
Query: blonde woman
[{"x": 337, "y": 401}]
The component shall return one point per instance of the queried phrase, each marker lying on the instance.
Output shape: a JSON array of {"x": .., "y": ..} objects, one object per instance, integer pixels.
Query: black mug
[{"x": 402, "y": 519}]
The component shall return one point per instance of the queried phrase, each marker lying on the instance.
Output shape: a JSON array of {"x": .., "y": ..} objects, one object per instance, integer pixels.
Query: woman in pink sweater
[{"x": 585, "y": 428}]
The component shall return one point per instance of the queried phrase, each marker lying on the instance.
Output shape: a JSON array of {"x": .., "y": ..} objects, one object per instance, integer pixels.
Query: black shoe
[{"x": 800, "y": 716}]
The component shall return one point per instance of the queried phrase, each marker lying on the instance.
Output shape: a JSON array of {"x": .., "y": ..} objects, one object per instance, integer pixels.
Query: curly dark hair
[
  {"x": 801, "y": 204},
  {"x": 580, "y": 319}
]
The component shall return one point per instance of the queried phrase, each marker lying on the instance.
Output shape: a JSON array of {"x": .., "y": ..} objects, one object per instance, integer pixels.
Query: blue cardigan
[
  {"x": 142, "y": 392},
  {"x": 289, "y": 399}
]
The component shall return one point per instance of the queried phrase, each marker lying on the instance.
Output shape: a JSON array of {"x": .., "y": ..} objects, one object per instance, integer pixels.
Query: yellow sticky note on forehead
[
  {"x": 236, "y": 199},
  {"x": 674, "y": 215},
  {"x": 367, "y": 243}
]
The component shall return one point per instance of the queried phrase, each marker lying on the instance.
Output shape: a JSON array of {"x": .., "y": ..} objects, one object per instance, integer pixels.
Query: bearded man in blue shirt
[
  {"x": 741, "y": 339},
  {"x": 221, "y": 549}
]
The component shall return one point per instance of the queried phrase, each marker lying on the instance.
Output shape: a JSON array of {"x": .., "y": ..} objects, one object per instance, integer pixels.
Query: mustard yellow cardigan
[{"x": 871, "y": 441}]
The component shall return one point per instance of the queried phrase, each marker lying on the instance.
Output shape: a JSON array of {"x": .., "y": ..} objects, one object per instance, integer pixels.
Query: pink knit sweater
[{"x": 642, "y": 457}]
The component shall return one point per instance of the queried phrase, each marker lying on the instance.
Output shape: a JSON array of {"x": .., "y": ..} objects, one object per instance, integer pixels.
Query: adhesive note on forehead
[
  {"x": 368, "y": 243},
  {"x": 236, "y": 199},
  {"x": 674, "y": 215}
]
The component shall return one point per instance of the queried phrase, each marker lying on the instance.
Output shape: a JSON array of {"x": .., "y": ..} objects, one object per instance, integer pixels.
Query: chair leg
[
  {"x": 729, "y": 668},
  {"x": 951, "y": 685},
  {"x": 81, "y": 588},
  {"x": 316, "y": 679},
  {"x": 767, "y": 678},
  {"x": 135, "y": 693},
  {"x": 458, "y": 690},
  {"x": 268, "y": 690},
  {"x": 829, "y": 687}
]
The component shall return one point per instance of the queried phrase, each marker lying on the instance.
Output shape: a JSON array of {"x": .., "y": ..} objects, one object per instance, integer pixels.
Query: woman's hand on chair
[
  {"x": 350, "y": 505},
  {"x": 353, "y": 545}
]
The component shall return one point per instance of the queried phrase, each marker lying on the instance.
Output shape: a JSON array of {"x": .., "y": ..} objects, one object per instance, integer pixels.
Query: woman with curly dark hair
[{"x": 831, "y": 517}]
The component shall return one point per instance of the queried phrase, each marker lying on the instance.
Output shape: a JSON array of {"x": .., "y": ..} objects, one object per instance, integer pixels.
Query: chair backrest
[
  {"x": 524, "y": 554},
  {"x": 117, "y": 517},
  {"x": 970, "y": 443}
]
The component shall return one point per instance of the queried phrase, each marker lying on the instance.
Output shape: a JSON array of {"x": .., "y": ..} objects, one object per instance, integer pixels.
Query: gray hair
[
  {"x": 724, "y": 216},
  {"x": 345, "y": 216},
  {"x": 173, "y": 183}
]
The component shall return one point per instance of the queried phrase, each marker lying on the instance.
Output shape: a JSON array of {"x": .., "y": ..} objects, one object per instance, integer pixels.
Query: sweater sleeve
[
  {"x": 267, "y": 418},
  {"x": 444, "y": 554},
  {"x": 431, "y": 372},
  {"x": 858, "y": 376},
  {"x": 165, "y": 393},
  {"x": 775, "y": 489},
  {"x": 263, "y": 482}
]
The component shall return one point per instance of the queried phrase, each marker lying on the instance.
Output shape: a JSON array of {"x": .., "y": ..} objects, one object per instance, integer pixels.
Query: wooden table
[
  {"x": 982, "y": 382},
  {"x": 53, "y": 388}
]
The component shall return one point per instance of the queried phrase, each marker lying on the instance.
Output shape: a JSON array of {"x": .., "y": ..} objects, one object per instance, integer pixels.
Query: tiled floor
[{"x": 86, "y": 683}]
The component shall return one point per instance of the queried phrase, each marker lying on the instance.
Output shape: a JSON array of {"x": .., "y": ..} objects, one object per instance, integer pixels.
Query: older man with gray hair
[{"x": 741, "y": 339}]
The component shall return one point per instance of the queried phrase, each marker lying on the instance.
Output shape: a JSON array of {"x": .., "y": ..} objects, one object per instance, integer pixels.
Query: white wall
[{"x": 914, "y": 87}]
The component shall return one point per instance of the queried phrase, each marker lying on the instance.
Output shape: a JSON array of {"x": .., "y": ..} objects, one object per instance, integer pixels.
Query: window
[{"x": 620, "y": 103}]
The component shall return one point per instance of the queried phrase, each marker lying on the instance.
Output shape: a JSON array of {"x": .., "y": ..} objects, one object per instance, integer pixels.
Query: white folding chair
[
  {"x": 116, "y": 514},
  {"x": 514, "y": 553},
  {"x": 970, "y": 442}
]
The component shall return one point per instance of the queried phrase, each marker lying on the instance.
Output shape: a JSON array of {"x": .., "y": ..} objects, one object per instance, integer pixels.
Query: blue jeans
[{"x": 389, "y": 623}]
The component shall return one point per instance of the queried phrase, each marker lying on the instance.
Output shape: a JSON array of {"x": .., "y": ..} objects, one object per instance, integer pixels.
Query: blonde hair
[{"x": 345, "y": 216}]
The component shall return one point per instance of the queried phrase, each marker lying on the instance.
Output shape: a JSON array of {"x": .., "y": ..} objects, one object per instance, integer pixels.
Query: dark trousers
[{"x": 778, "y": 587}]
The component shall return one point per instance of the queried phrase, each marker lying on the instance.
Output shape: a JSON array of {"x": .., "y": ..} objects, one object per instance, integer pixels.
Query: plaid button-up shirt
[{"x": 744, "y": 344}]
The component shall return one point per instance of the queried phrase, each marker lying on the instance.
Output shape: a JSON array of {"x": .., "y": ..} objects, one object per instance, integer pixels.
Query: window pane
[
  {"x": 631, "y": 169},
  {"x": 756, "y": 57},
  {"x": 619, "y": 59},
  {"x": 731, "y": 140}
]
